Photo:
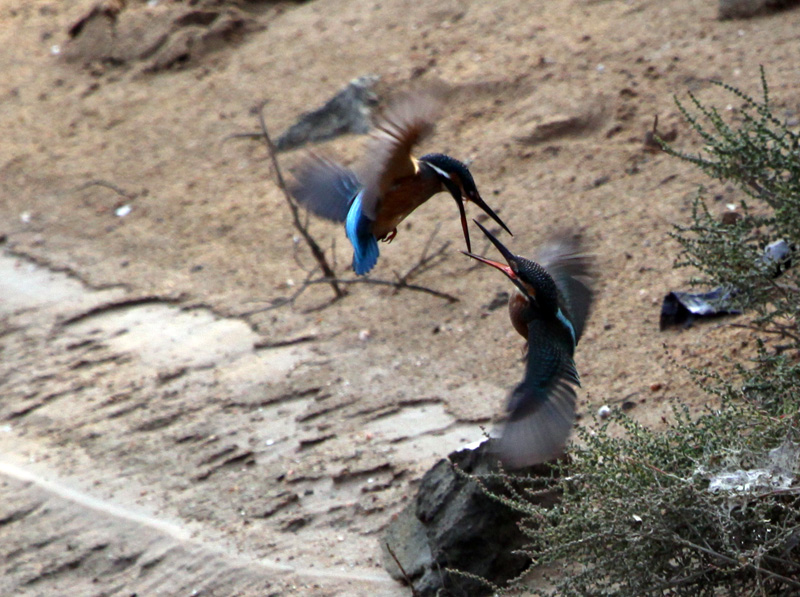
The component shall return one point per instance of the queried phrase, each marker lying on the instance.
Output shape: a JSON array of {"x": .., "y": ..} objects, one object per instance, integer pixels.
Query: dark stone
[
  {"x": 346, "y": 112},
  {"x": 453, "y": 524},
  {"x": 743, "y": 9}
]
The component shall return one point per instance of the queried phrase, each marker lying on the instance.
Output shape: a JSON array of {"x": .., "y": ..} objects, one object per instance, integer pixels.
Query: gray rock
[
  {"x": 407, "y": 539},
  {"x": 347, "y": 112},
  {"x": 742, "y": 9},
  {"x": 453, "y": 524}
]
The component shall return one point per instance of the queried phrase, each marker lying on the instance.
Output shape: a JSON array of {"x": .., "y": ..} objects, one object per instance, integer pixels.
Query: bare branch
[
  {"x": 109, "y": 185},
  {"x": 414, "y": 591},
  {"x": 425, "y": 261},
  {"x": 402, "y": 282},
  {"x": 251, "y": 136},
  {"x": 730, "y": 560},
  {"x": 779, "y": 330},
  {"x": 319, "y": 255},
  {"x": 283, "y": 301},
  {"x": 399, "y": 284},
  {"x": 282, "y": 343}
]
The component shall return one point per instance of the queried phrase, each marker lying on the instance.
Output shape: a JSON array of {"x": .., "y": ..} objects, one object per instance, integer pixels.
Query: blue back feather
[{"x": 359, "y": 231}]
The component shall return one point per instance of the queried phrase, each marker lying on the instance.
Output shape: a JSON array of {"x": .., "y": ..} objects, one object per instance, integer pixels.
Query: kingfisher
[
  {"x": 392, "y": 183},
  {"x": 548, "y": 308}
]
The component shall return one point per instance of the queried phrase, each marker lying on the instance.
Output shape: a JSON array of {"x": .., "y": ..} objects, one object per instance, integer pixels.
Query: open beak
[
  {"x": 527, "y": 290},
  {"x": 509, "y": 256},
  {"x": 482, "y": 204},
  {"x": 501, "y": 266}
]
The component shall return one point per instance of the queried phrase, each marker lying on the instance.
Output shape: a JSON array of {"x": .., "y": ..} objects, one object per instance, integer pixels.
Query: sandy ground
[{"x": 161, "y": 431}]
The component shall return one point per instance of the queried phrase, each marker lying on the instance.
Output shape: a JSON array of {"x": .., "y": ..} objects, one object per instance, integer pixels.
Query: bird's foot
[{"x": 390, "y": 237}]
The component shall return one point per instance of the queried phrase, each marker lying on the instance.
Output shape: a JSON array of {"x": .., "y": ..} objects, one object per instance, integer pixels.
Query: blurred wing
[
  {"x": 407, "y": 120},
  {"x": 573, "y": 272},
  {"x": 325, "y": 188},
  {"x": 541, "y": 409}
]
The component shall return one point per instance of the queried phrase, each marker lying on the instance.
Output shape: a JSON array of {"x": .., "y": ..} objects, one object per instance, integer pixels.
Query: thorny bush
[{"x": 711, "y": 505}]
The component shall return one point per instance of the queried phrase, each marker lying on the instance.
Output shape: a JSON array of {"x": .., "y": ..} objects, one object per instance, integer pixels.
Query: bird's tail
[
  {"x": 365, "y": 245},
  {"x": 539, "y": 436}
]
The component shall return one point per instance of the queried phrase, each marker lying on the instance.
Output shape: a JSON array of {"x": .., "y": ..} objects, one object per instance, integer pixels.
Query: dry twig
[
  {"x": 730, "y": 560},
  {"x": 425, "y": 262},
  {"x": 319, "y": 255},
  {"x": 109, "y": 185},
  {"x": 414, "y": 591},
  {"x": 398, "y": 284}
]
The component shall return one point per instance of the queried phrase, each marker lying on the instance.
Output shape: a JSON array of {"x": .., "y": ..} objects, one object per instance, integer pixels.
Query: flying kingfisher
[
  {"x": 549, "y": 308},
  {"x": 392, "y": 183}
]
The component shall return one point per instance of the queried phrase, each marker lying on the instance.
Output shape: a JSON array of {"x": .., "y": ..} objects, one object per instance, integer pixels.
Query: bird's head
[
  {"x": 524, "y": 273},
  {"x": 457, "y": 179}
]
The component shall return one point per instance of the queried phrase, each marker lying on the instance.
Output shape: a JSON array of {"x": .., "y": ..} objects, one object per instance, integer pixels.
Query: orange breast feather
[{"x": 406, "y": 195}]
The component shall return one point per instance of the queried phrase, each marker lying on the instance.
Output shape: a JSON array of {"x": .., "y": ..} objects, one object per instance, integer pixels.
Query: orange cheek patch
[{"x": 529, "y": 289}]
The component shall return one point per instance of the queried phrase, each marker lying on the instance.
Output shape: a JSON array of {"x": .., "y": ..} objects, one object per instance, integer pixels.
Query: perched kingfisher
[
  {"x": 548, "y": 308},
  {"x": 392, "y": 183}
]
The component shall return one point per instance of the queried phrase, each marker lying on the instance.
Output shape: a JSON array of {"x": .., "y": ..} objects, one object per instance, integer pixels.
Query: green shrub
[
  {"x": 711, "y": 504},
  {"x": 761, "y": 158},
  {"x": 638, "y": 515}
]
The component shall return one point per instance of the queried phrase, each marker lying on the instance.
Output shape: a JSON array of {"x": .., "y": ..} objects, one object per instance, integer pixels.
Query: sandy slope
[{"x": 144, "y": 378}]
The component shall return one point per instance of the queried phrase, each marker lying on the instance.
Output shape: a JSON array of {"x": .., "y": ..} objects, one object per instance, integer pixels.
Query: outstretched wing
[
  {"x": 541, "y": 409},
  {"x": 325, "y": 188},
  {"x": 573, "y": 272},
  {"x": 406, "y": 121}
]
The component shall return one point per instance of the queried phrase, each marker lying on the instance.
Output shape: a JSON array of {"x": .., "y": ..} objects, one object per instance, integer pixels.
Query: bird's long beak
[
  {"x": 509, "y": 256},
  {"x": 463, "y": 213},
  {"x": 528, "y": 291},
  {"x": 477, "y": 200},
  {"x": 483, "y": 205},
  {"x": 501, "y": 266}
]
